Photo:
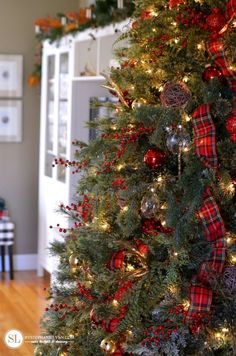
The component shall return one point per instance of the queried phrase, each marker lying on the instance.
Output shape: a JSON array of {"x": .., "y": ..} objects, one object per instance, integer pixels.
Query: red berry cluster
[
  {"x": 82, "y": 209},
  {"x": 192, "y": 17},
  {"x": 62, "y": 309},
  {"x": 156, "y": 334},
  {"x": 119, "y": 183},
  {"x": 124, "y": 287},
  {"x": 66, "y": 163},
  {"x": 124, "y": 138},
  {"x": 85, "y": 292}
]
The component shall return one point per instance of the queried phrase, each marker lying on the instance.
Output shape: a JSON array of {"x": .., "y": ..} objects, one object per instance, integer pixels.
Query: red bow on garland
[{"x": 209, "y": 214}]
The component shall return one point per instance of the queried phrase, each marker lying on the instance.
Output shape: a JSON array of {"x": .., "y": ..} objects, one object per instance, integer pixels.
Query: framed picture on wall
[
  {"x": 11, "y": 72},
  {"x": 10, "y": 120}
]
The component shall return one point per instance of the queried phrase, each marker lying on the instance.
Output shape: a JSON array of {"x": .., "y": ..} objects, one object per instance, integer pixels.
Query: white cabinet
[{"x": 71, "y": 79}]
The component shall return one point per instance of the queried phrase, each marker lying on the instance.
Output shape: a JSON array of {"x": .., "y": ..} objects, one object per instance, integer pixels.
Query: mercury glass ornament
[
  {"x": 150, "y": 204},
  {"x": 178, "y": 140}
]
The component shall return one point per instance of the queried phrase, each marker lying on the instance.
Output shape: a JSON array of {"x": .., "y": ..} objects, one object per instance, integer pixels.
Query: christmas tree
[{"x": 148, "y": 264}]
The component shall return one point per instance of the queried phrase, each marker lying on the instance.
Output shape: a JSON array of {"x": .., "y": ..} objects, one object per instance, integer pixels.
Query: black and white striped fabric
[{"x": 6, "y": 233}]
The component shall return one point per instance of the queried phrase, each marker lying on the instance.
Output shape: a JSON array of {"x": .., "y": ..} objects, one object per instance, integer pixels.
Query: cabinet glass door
[
  {"x": 51, "y": 116},
  {"x": 63, "y": 112}
]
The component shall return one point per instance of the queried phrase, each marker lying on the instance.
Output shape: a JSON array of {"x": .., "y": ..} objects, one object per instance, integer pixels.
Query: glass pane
[
  {"x": 51, "y": 67},
  {"x": 62, "y": 137},
  {"x": 100, "y": 107},
  {"x": 61, "y": 173},
  {"x": 64, "y": 86},
  {"x": 64, "y": 63},
  {"x": 49, "y": 159}
]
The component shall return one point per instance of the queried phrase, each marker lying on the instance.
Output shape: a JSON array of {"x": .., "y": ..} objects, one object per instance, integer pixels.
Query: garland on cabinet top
[
  {"x": 103, "y": 13},
  {"x": 148, "y": 265}
]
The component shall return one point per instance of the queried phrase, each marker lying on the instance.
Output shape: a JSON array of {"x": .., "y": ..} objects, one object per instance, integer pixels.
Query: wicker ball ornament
[
  {"x": 230, "y": 278},
  {"x": 175, "y": 95}
]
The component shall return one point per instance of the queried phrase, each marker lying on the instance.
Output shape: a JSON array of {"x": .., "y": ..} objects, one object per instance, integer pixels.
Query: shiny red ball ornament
[
  {"x": 154, "y": 158},
  {"x": 142, "y": 248},
  {"x": 233, "y": 138},
  {"x": 216, "y": 20},
  {"x": 233, "y": 177},
  {"x": 231, "y": 123},
  {"x": 211, "y": 73}
]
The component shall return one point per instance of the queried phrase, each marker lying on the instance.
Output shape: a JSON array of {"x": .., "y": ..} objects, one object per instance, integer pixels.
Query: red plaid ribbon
[
  {"x": 201, "y": 299},
  {"x": 230, "y": 9},
  {"x": 210, "y": 216},
  {"x": 200, "y": 293},
  {"x": 216, "y": 50},
  {"x": 205, "y": 136}
]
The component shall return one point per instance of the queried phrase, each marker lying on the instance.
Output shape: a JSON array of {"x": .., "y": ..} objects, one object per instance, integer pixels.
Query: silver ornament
[
  {"x": 150, "y": 205},
  {"x": 178, "y": 140}
]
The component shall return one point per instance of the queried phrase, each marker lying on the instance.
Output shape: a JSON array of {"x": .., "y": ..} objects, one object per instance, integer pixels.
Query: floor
[{"x": 22, "y": 302}]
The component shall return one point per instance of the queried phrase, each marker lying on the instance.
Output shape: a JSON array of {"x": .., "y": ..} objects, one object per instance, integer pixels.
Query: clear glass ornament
[
  {"x": 150, "y": 205},
  {"x": 178, "y": 140}
]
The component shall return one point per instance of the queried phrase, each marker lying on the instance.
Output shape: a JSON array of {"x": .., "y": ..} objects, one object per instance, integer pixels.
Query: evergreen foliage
[{"x": 114, "y": 181}]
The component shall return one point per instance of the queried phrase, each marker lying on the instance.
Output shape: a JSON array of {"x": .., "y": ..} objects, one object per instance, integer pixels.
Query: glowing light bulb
[
  {"x": 104, "y": 226},
  {"x": 174, "y": 23},
  {"x": 160, "y": 179},
  {"x": 124, "y": 209},
  {"x": 161, "y": 88},
  {"x": 200, "y": 46},
  {"x": 119, "y": 167},
  {"x": 176, "y": 40},
  {"x": 218, "y": 335},
  {"x": 225, "y": 330},
  {"x": 185, "y": 79},
  {"x": 115, "y": 303},
  {"x": 175, "y": 253}
]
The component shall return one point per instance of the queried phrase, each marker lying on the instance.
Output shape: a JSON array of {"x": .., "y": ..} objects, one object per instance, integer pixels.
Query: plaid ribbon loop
[
  {"x": 214, "y": 230},
  {"x": 205, "y": 136}
]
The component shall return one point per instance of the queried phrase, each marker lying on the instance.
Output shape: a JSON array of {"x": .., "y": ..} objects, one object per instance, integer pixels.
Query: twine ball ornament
[
  {"x": 108, "y": 346},
  {"x": 175, "y": 95},
  {"x": 230, "y": 278}
]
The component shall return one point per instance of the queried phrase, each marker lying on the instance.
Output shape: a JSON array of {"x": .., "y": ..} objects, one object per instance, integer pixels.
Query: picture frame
[
  {"x": 10, "y": 120},
  {"x": 11, "y": 73}
]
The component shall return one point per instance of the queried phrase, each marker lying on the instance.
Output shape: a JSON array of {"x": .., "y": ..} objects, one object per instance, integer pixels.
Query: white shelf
[{"x": 88, "y": 78}]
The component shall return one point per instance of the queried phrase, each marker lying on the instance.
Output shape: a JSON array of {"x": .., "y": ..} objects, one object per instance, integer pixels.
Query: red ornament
[
  {"x": 117, "y": 260},
  {"x": 231, "y": 123},
  {"x": 154, "y": 158},
  {"x": 174, "y": 3},
  {"x": 216, "y": 20},
  {"x": 233, "y": 176},
  {"x": 233, "y": 138},
  {"x": 146, "y": 14},
  {"x": 211, "y": 73}
]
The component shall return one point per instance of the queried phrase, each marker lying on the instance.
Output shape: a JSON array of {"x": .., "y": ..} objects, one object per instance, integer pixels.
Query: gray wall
[{"x": 19, "y": 161}]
